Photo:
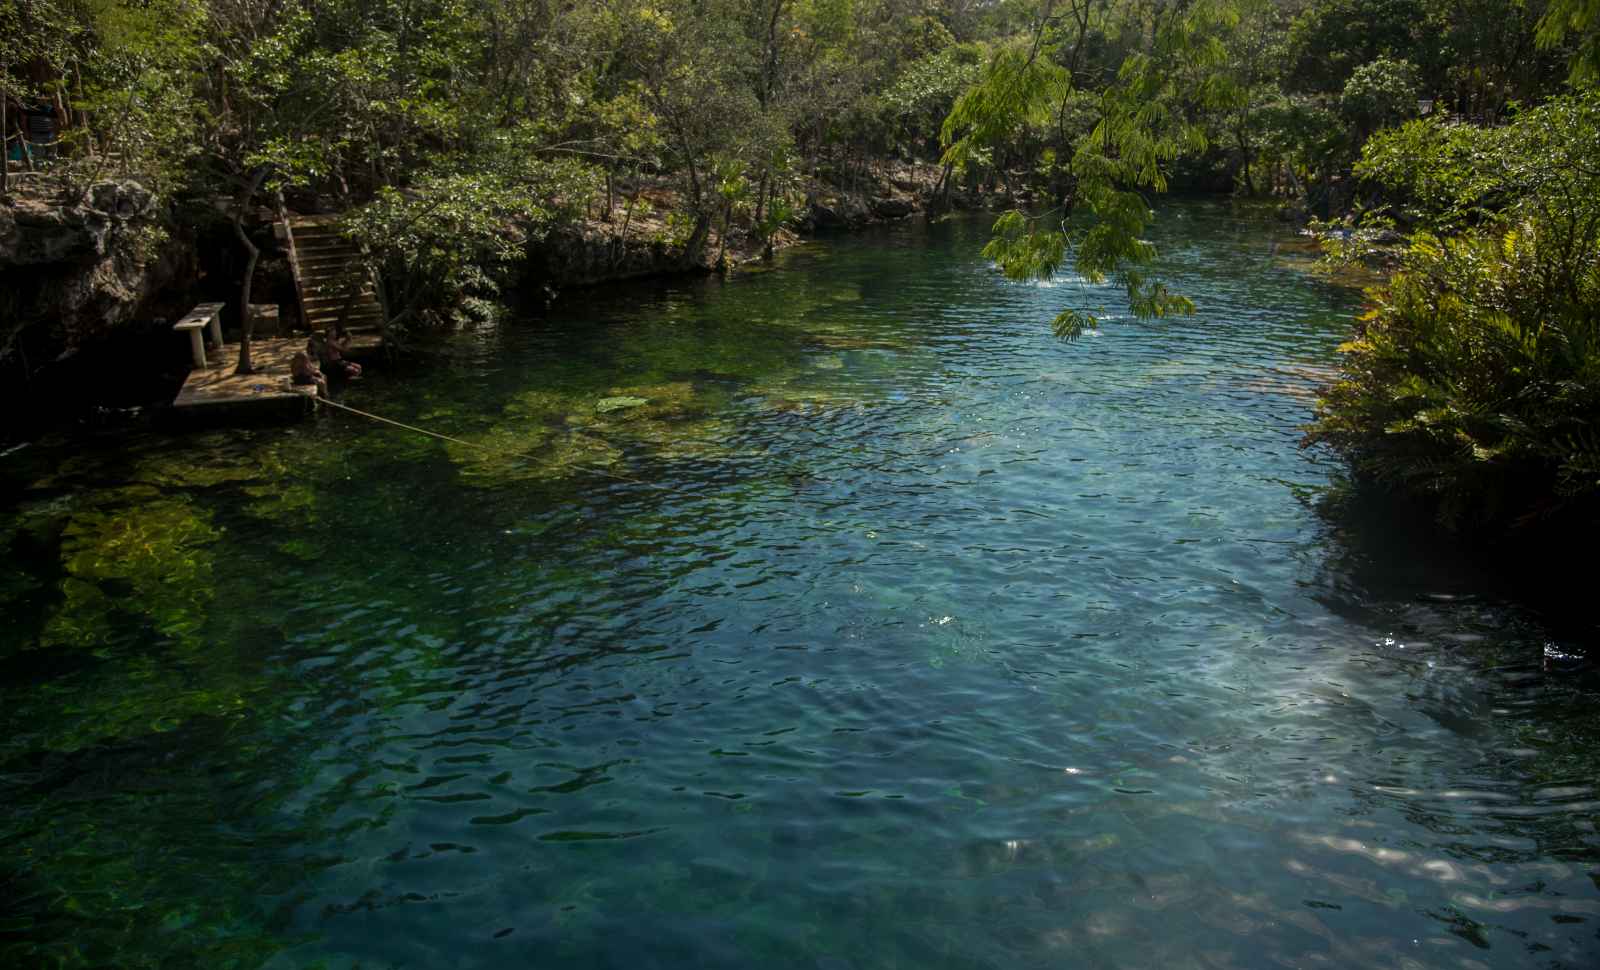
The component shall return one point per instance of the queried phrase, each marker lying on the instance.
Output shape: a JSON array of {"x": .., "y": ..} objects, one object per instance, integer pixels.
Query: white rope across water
[{"x": 412, "y": 427}]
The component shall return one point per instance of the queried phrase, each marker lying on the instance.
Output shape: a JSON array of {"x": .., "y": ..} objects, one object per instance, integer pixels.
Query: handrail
[{"x": 294, "y": 261}]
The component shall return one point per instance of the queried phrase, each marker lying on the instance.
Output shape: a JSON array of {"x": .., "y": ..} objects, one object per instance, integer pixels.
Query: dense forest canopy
[{"x": 480, "y": 111}]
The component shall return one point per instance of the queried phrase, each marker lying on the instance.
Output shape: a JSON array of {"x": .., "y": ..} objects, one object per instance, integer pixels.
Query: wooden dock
[
  {"x": 215, "y": 394},
  {"x": 334, "y": 287}
]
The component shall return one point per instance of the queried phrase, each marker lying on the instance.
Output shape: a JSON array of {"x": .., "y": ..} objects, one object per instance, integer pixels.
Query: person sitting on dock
[
  {"x": 302, "y": 371},
  {"x": 338, "y": 341},
  {"x": 329, "y": 356}
]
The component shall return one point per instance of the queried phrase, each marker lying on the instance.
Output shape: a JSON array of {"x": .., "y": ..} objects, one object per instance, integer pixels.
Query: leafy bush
[
  {"x": 1451, "y": 176},
  {"x": 1379, "y": 93},
  {"x": 1475, "y": 380}
]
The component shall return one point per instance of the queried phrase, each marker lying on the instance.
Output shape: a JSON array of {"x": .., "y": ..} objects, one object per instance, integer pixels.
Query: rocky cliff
[{"x": 81, "y": 277}]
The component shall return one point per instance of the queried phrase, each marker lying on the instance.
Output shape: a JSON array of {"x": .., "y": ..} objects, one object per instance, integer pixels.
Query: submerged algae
[
  {"x": 503, "y": 455},
  {"x": 545, "y": 435},
  {"x": 154, "y": 554}
]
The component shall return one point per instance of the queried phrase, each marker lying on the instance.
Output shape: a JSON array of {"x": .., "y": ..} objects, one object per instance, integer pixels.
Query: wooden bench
[{"x": 206, "y": 316}]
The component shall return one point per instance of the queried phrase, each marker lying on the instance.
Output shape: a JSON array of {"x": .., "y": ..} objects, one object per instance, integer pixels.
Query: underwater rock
[
  {"x": 656, "y": 402},
  {"x": 541, "y": 405},
  {"x": 608, "y": 404}
]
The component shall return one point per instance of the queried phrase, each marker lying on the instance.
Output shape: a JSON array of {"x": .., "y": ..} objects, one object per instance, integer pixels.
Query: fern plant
[{"x": 1474, "y": 380}]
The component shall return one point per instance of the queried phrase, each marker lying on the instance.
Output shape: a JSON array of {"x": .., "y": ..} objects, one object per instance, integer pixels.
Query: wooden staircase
[{"x": 330, "y": 275}]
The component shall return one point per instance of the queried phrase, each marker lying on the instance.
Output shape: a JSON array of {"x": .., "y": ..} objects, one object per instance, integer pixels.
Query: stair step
[
  {"x": 365, "y": 320},
  {"x": 323, "y": 306},
  {"x": 357, "y": 314},
  {"x": 335, "y": 284},
  {"x": 322, "y": 273},
  {"x": 332, "y": 292},
  {"x": 335, "y": 304},
  {"x": 327, "y": 312},
  {"x": 333, "y": 311}
]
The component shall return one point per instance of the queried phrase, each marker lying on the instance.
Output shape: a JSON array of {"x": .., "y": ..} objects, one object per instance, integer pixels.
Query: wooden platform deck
[{"x": 214, "y": 394}]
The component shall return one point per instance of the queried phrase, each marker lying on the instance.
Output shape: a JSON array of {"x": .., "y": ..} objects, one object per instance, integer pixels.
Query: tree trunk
[
  {"x": 376, "y": 272},
  {"x": 722, "y": 242},
  {"x": 627, "y": 220},
  {"x": 1294, "y": 183},
  {"x": 5, "y": 133},
  {"x": 941, "y": 190},
  {"x": 1244, "y": 156},
  {"x": 247, "y": 322},
  {"x": 697, "y": 239},
  {"x": 769, "y": 70},
  {"x": 83, "y": 113},
  {"x": 63, "y": 122}
]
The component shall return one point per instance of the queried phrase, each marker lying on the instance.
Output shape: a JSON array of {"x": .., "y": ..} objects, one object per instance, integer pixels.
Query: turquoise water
[{"x": 834, "y": 617}]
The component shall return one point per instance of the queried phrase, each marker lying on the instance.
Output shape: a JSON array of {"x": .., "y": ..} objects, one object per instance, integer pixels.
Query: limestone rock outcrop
[{"x": 76, "y": 272}]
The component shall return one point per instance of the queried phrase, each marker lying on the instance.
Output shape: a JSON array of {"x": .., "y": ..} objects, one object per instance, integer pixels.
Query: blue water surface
[{"x": 831, "y": 616}]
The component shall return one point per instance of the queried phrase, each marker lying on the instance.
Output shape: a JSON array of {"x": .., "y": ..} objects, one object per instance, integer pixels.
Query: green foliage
[
  {"x": 1431, "y": 166},
  {"x": 1105, "y": 149},
  {"x": 439, "y": 234},
  {"x": 1476, "y": 378},
  {"x": 1367, "y": 237},
  {"x": 926, "y": 90},
  {"x": 1332, "y": 38},
  {"x": 1474, "y": 382},
  {"x": 1380, "y": 93},
  {"x": 1578, "y": 20},
  {"x": 1450, "y": 176}
]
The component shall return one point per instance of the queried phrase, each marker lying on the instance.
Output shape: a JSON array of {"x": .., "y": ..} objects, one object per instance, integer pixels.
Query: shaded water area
[{"x": 837, "y": 616}]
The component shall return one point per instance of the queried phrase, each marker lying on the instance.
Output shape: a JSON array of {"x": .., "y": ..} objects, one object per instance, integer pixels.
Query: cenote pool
[{"x": 833, "y": 617}]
